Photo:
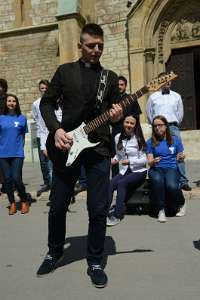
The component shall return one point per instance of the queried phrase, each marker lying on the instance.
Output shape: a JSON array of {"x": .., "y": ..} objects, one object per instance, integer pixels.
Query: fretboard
[{"x": 104, "y": 118}]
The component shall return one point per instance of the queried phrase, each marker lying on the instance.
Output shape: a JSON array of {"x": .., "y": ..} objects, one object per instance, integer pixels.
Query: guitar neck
[{"x": 104, "y": 118}]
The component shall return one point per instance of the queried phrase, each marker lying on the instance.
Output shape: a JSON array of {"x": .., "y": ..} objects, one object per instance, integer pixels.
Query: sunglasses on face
[{"x": 93, "y": 45}]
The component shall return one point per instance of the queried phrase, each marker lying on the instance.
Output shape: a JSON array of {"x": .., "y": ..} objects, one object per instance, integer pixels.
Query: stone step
[{"x": 190, "y": 138}]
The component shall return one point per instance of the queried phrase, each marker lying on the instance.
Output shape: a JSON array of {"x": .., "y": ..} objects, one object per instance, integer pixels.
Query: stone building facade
[
  {"x": 28, "y": 45},
  {"x": 37, "y": 35},
  {"x": 142, "y": 38}
]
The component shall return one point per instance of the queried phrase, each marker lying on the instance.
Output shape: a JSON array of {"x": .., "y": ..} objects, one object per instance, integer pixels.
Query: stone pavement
[{"x": 146, "y": 260}]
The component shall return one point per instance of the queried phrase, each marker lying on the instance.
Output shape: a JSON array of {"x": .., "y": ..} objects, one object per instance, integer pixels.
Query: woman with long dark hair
[
  {"x": 13, "y": 127},
  {"x": 130, "y": 155},
  {"x": 163, "y": 153}
]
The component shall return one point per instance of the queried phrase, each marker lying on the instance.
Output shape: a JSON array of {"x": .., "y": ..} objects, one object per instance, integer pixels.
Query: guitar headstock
[{"x": 157, "y": 83}]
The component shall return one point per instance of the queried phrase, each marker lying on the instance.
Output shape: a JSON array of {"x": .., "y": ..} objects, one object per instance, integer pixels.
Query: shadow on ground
[
  {"x": 197, "y": 244},
  {"x": 75, "y": 250}
]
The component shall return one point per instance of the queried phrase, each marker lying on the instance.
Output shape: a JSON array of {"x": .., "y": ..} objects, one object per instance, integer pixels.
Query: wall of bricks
[
  {"x": 7, "y": 15},
  {"x": 112, "y": 16},
  {"x": 43, "y": 11},
  {"x": 27, "y": 59}
]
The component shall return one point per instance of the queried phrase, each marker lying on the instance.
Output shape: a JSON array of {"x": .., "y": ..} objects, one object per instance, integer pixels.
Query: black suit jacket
[{"x": 67, "y": 83}]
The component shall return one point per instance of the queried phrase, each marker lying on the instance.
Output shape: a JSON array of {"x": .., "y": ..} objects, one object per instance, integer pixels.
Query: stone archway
[{"x": 156, "y": 27}]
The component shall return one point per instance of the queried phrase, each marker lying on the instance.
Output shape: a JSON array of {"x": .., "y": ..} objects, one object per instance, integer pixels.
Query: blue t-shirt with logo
[
  {"x": 167, "y": 152},
  {"x": 12, "y": 134}
]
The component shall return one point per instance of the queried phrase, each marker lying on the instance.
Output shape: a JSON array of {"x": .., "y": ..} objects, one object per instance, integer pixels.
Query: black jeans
[
  {"x": 97, "y": 173},
  {"x": 121, "y": 183}
]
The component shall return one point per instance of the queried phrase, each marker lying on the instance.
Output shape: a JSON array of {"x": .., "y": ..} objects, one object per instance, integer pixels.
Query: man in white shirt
[
  {"x": 45, "y": 163},
  {"x": 169, "y": 104}
]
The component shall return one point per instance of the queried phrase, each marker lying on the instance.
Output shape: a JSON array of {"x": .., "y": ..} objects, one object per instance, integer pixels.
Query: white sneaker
[
  {"x": 182, "y": 211},
  {"x": 112, "y": 221},
  {"x": 161, "y": 216}
]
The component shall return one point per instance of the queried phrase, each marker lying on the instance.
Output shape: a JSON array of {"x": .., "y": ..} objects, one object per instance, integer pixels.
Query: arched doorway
[
  {"x": 186, "y": 63},
  {"x": 161, "y": 33}
]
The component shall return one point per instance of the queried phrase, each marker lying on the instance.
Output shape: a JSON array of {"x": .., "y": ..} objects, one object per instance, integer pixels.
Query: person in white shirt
[
  {"x": 169, "y": 104},
  {"x": 45, "y": 132},
  {"x": 130, "y": 156},
  {"x": 45, "y": 163}
]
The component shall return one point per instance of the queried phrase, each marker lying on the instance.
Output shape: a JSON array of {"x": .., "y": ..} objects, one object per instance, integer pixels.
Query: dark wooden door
[{"x": 182, "y": 62}]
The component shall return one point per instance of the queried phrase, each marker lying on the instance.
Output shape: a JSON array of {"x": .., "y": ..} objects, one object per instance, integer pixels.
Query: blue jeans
[
  {"x": 181, "y": 164},
  {"x": 12, "y": 171},
  {"x": 122, "y": 183},
  {"x": 45, "y": 164},
  {"x": 64, "y": 178},
  {"x": 164, "y": 183}
]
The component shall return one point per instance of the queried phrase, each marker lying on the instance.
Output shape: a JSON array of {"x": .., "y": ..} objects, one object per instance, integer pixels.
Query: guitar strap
[{"x": 101, "y": 88}]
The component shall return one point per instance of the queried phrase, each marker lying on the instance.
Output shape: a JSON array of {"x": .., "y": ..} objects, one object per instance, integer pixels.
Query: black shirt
[{"x": 78, "y": 84}]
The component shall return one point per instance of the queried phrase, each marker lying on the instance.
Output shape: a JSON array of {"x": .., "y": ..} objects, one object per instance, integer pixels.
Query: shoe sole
[
  {"x": 100, "y": 286},
  {"x": 44, "y": 275},
  {"x": 162, "y": 221}
]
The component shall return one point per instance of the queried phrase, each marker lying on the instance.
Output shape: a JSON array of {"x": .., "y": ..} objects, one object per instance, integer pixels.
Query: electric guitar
[{"x": 80, "y": 134}]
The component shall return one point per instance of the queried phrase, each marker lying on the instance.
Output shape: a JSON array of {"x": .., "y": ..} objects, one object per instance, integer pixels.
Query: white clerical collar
[{"x": 86, "y": 64}]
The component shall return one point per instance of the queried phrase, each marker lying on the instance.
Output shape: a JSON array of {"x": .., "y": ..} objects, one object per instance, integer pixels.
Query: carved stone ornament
[
  {"x": 163, "y": 29},
  {"x": 186, "y": 29}
]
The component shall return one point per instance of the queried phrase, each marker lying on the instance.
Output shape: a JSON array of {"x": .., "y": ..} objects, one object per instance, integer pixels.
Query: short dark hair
[
  {"x": 4, "y": 84},
  {"x": 17, "y": 108},
  {"x": 123, "y": 79},
  {"x": 91, "y": 29},
  {"x": 44, "y": 81}
]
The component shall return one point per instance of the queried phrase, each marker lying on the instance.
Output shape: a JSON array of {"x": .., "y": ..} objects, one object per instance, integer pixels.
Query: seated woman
[
  {"x": 131, "y": 158},
  {"x": 163, "y": 151}
]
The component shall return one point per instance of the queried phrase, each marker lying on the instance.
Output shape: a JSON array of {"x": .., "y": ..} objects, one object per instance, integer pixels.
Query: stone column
[
  {"x": 149, "y": 59},
  {"x": 70, "y": 22},
  {"x": 138, "y": 76}
]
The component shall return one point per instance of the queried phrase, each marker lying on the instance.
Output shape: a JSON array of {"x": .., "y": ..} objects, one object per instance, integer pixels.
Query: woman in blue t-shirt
[
  {"x": 13, "y": 126},
  {"x": 163, "y": 152}
]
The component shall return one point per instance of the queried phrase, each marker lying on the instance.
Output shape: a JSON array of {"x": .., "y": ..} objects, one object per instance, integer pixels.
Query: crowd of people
[{"x": 61, "y": 108}]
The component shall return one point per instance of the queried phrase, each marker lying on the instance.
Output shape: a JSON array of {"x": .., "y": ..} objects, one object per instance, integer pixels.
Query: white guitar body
[
  {"x": 80, "y": 142},
  {"x": 80, "y": 137}
]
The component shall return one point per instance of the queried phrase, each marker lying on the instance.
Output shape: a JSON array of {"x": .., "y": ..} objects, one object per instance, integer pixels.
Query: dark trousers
[
  {"x": 45, "y": 164},
  {"x": 12, "y": 171},
  {"x": 82, "y": 178},
  {"x": 164, "y": 184},
  {"x": 114, "y": 132},
  {"x": 97, "y": 173},
  {"x": 122, "y": 183}
]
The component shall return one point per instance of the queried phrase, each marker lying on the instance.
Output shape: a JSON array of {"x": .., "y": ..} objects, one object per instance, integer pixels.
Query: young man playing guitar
[{"x": 78, "y": 84}]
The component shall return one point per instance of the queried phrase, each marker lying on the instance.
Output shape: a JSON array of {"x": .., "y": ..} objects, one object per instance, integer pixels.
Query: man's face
[
  {"x": 91, "y": 48},
  {"x": 166, "y": 87},
  {"x": 122, "y": 86},
  {"x": 43, "y": 88}
]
